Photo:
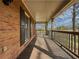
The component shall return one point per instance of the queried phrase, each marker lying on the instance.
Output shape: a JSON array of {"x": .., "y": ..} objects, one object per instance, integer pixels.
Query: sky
[{"x": 65, "y": 19}]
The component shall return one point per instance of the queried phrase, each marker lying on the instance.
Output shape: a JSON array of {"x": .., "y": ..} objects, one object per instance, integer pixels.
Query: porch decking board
[{"x": 47, "y": 49}]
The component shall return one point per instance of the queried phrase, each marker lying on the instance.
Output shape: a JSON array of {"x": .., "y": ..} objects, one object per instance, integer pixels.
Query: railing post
[
  {"x": 52, "y": 32},
  {"x": 73, "y": 20},
  {"x": 46, "y": 28}
]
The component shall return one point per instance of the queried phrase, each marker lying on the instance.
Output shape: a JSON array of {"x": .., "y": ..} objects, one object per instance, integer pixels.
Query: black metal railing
[{"x": 67, "y": 39}]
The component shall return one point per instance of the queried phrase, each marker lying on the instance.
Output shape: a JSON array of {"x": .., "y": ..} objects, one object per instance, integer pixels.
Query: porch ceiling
[{"x": 43, "y": 10}]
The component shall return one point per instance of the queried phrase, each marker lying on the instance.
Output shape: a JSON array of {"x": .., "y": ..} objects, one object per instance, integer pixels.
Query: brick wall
[{"x": 9, "y": 30}]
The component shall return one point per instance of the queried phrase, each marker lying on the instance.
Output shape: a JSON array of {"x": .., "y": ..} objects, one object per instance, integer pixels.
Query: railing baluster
[
  {"x": 78, "y": 44},
  {"x": 53, "y": 35},
  {"x": 75, "y": 43},
  {"x": 69, "y": 41},
  {"x": 72, "y": 42}
]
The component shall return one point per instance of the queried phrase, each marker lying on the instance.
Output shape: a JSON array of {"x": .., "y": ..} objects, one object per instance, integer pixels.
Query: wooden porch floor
[{"x": 47, "y": 49}]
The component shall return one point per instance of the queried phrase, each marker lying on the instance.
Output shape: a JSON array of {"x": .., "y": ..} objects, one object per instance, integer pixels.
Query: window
[
  {"x": 23, "y": 27},
  {"x": 32, "y": 25}
]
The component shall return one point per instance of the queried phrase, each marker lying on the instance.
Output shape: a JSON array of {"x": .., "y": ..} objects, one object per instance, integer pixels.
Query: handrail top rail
[{"x": 65, "y": 31}]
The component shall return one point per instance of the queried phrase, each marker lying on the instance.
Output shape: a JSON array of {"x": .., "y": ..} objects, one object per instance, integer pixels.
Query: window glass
[
  {"x": 23, "y": 27},
  {"x": 32, "y": 25}
]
